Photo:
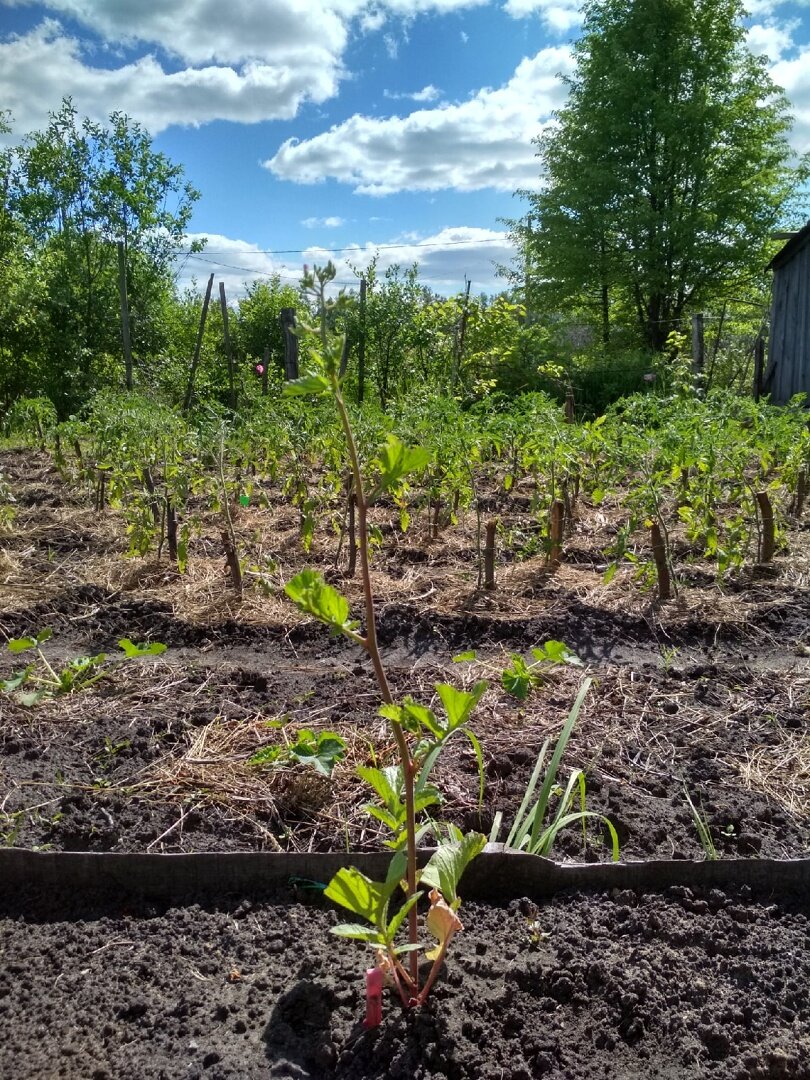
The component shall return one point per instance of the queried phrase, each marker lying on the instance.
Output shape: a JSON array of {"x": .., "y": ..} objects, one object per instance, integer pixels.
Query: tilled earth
[
  {"x": 707, "y": 695},
  {"x": 655, "y": 986}
]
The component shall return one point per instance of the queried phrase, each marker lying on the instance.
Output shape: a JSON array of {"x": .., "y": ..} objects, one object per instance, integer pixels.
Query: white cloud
[
  {"x": 794, "y": 77},
  {"x": 558, "y": 15},
  {"x": 39, "y": 68},
  {"x": 483, "y": 142},
  {"x": 770, "y": 39},
  {"x": 426, "y": 94},
  {"x": 391, "y": 46},
  {"x": 445, "y": 258},
  {"x": 243, "y": 60},
  {"x": 323, "y": 223},
  {"x": 205, "y": 31},
  {"x": 233, "y": 261}
]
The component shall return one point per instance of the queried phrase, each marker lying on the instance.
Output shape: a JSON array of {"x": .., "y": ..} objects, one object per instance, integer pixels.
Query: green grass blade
[
  {"x": 527, "y": 798},
  {"x": 556, "y": 757}
]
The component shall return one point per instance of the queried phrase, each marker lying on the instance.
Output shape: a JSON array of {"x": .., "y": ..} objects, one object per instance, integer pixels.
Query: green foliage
[
  {"x": 77, "y": 189},
  {"x": 519, "y": 678},
  {"x": 78, "y": 674},
  {"x": 666, "y": 173},
  {"x": 321, "y": 752},
  {"x": 312, "y": 595},
  {"x": 702, "y": 826},
  {"x": 534, "y": 829}
]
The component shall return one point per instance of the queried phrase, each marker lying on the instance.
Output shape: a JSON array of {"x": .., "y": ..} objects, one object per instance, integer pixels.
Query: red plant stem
[
  {"x": 372, "y": 648},
  {"x": 434, "y": 971}
]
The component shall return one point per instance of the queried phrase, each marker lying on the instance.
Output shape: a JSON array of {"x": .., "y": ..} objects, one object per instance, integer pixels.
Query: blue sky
[{"x": 310, "y": 125}]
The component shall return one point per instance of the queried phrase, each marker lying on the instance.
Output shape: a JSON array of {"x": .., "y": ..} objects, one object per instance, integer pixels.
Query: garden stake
[
  {"x": 768, "y": 540},
  {"x": 661, "y": 566},
  {"x": 374, "y": 989},
  {"x": 489, "y": 555}
]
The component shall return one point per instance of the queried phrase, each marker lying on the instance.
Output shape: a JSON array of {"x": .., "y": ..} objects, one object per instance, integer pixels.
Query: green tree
[
  {"x": 664, "y": 173},
  {"x": 78, "y": 189},
  {"x": 258, "y": 323},
  {"x": 393, "y": 300}
]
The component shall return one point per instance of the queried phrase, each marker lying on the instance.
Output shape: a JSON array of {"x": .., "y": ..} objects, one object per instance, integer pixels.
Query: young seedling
[
  {"x": 419, "y": 734},
  {"x": 78, "y": 674},
  {"x": 321, "y": 752},
  {"x": 535, "y": 828}
]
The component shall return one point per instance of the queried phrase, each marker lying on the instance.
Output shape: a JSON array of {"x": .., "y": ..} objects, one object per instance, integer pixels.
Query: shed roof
[{"x": 791, "y": 248}]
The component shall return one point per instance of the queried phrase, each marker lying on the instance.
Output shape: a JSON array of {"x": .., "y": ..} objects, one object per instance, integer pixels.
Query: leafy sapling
[
  {"x": 403, "y": 790},
  {"x": 47, "y": 681}
]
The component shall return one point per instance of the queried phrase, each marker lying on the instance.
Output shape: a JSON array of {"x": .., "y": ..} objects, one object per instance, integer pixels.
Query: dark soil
[
  {"x": 710, "y": 693},
  {"x": 655, "y": 986}
]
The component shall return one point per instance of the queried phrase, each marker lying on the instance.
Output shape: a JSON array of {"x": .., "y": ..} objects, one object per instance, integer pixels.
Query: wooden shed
[{"x": 788, "y": 370}]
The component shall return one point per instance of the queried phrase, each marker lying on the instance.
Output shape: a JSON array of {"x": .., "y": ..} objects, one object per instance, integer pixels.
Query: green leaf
[
  {"x": 400, "y": 917},
  {"x": 556, "y": 652},
  {"x": 395, "y": 821},
  {"x": 386, "y": 782},
  {"x": 154, "y": 648},
  {"x": 362, "y": 896},
  {"x": 310, "y": 593},
  {"x": 463, "y": 657},
  {"x": 397, "y": 460},
  {"x": 33, "y": 698},
  {"x": 323, "y": 754},
  {"x": 423, "y": 717},
  {"x": 8, "y": 686},
  {"x": 397, "y": 869},
  {"x": 307, "y": 384},
  {"x": 556, "y": 757},
  {"x": 459, "y": 704},
  {"x": 18, "y": 645},
  {"x": 517, "y": 679},
  {"x": 444, "y": 870},
  {"x": 268, "y": 755},
  {"x": 359, "y": 932}
]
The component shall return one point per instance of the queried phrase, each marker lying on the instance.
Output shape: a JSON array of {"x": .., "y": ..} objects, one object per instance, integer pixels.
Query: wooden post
[
  {"x": 361, "y": 344},
  {"x": 801, "y": 492},
  {"x": 698, "y": 346},
  {"x": 223, "y": 303},
  {"x": 556, "y": 532},
  {"x": 198, "y": 346},
  {"x": 231, "y": 561},
  {"x": 171, "y": 529},
  {"x": 570, "y": 413},
  {"x": 759, "y": 366},
  {"x": 462, "y": 332},
  {"x": 290, "y": 343},
  {"x": 122, "y": 292},
  {"x": 266, "y": 372},
  {"x": 659, "y": 550},
  {"x": 767, "y": 544},
  {"x": 489, "y": 554}
]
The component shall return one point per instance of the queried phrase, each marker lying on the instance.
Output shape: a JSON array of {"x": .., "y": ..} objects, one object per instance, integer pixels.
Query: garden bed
[
  {"x": 708, "y": 693},
  {"x": 685, "y": 982},
  {"x": 686, "y": 970}
]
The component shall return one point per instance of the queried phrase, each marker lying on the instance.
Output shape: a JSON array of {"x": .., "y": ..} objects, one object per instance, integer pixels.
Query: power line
[
  {"x": 350, "y": 247},
  {"x": 257, "y": 273}
]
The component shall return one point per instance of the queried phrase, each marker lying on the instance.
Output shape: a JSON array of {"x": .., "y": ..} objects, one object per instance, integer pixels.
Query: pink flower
[{"x": 260, "y": 369}]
